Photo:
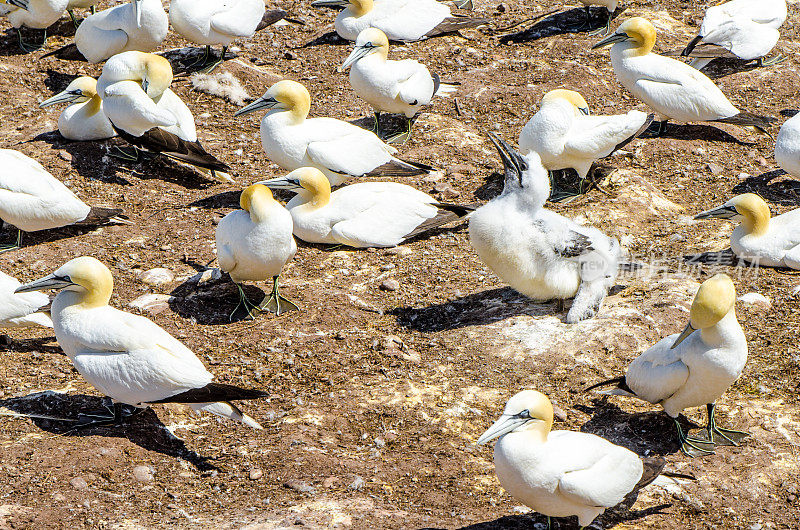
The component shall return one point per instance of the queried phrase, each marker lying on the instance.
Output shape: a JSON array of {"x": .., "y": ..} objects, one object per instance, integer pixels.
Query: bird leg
[
  {"x": 692, "y": 447},
  {"x": 377, "y": 117},
  {"x": 656, "y": 129},
  {"x": 604, "y": 30},
  {"x": 72, "y": 16},
  {"x": 771, "y": 61},
  {"x": 723, "y": 436},
  {"x": 208, "y": 69},
  {"x": 28, "y": 48},
  {"x": 275, "y": 303},
  {"x": 93, "y": 9},
  {"x": 7, "y": 248},
  {"x": 113, "y": 414},
  {"x": 244, "y": 302},
  {"x": 120, "y": 153}
]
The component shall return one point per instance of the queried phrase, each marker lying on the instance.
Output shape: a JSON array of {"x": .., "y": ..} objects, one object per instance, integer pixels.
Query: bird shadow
[
  {"x": 702, "y": 132},
  {"x": 561, "y": 23},
  {"x": 784, "y": 191},
  {"x": 213, "y": 302},
  {"x": 8, "y": 234},
  {"x": 329, "y": 38},
  {"x": 226, "y": 199},
  {"x": 57, "y": 81},
  {"x": 723, "y": 67},
  {"x": 87, "y": 158},
  {"x": 40, "y": 344}
]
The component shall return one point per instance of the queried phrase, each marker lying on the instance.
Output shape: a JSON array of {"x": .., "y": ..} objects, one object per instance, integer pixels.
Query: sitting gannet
[
  {"x": 610, "y": 5},
  {"x": 140, "y": 25},
  {"x": 84, "y": 118},
  {"x": 335, "y": 147},
  {"x": 400, "y": 20},
  {"x": 759, "y": 239},
  {"x": 787, "y": 146},
  {"x": 254, "y": 244},
  {"x": 675, "y": 90},
  {"x": 21, "y": 310},
  {"x": 128, "y": 357},
  {"x": 362, "y": 215},
  {"x": 536, "y": 251},
  {"x": 31, "y": 199},
  {"x": 35, "y": 14},
  {"x": 561, "y": 473},
  {"x": 694, "y": 367}
]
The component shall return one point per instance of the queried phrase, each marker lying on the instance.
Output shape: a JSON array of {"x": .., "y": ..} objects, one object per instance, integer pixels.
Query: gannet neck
[
  {"x": 755, "y": 212},
  {"x": 642, "y": 37},
  {"x": 292, "y": 97},
  {"x": 361, "y": 7},
  {"x": 724, "y": 331},
  {"x": 257, "y": 200},
  {"x": 94, "y": 105},
  {"x": 316, "y": 188}
]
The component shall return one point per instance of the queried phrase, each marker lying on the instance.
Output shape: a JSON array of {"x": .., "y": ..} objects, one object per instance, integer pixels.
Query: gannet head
[
  {"x": 523, "y": 172},
  {"x": 85, "y": 275},
  {"x": 637, "y": 33},
  {"x": 713, "y": 301},
  {"x": 255, "y": 200},
  {"x": 153, "y": 71},
  {"x": 528, "y": 410},
  {"x": 570, "y": 96},
  {"x": 748, "y": 208},
  {"x": 308, "y": 182},
  {"x": 22, "y": 4},
  {"x": 284, "y": 95},
  {"x": 369, "y": 41},
  {"x": 80, "y": 90}
]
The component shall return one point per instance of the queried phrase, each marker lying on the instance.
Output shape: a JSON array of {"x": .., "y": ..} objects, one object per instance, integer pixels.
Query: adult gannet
[
  {"x": 335, "y": 147},
  {"x": 254, "y": 244},
  {"x": 759, "y": 239},
  {"x": 21, "y": 310},
  {"x": 140, "y": 25},
  {"x": 366, "y": 214},
  {"x": 787, "y": 146},
  {"x": 128, "y": 357},
  {"x": 694, "y": 367},
  {"x": 84, "y": 118},
  {"x": 35, "y": 14},
  {"x": 610, "y": 5},
  {"x": 400, "y": 20},
  {"x": 536, "y": 251},
  {"x": 675, "y": 90},
  {"x": 31, "y": 199},
  {"x": 561, "y": 473}
]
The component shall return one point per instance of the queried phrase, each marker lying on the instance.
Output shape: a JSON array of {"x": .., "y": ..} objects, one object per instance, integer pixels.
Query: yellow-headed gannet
[
  {"x": 540, "y": 253},
  {"x": 32, "y": 199},
  {"x": 694, "y": 367},
  {"x": 366, "y": 214},
  {"x": 127, "y": 357},
  {"x": 673, "y": 89},
  {"x": 254, "y": 243},
  {"x": 561, "y": 473},
  {"x": 335, "y": 147},
  {"x": 35, "y": 14},
  {"x": 140, "y": 25},
  {"x": 84, "y": 118},
  {"x": 400, "y": 20},
  {"x": 787, "y": 146},
  {"x": 759, "y": 239},
  {"x": 21, "y": 310},
  {"x": 610, "y": 5}
]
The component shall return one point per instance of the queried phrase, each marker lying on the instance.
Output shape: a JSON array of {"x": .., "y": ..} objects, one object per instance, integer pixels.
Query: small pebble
[
  {"x": 79, "y": 483},
  {"x": 143, "y": 473},
  {"x": 256, "y": 473},
  {"x": 157, "y": 276},
  {"x": 390, "y": 285},
  {"x": 299, "y": 486}
]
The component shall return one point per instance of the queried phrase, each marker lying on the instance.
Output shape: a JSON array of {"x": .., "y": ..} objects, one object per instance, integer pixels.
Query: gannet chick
[
  {"x": 84, "y": 118},
  {"x": 34, "y": 14},
  {"x": 254, "y": 243},
  {"x": 128, "y": 357},
  {"x": 362, "y": 215},
  {"x": 675, "y": 90},
  {"x": 399, "y": 87},
  {"x": 610, "y": 5},
  {"x": 759, "y": 239},
  {"x": 21, "y": 310},
  {"x": 335, "y": 147},
  {"x": 31, "y": 199},
  {"x": 787, "y": 146},
  {"x": 140, "y": 25},
  {"x": 400, "y": 20},
  {"x": 536, "y": 251},
  {"x": 561, "y": 473},
  {"x": 694, "y": 367}
]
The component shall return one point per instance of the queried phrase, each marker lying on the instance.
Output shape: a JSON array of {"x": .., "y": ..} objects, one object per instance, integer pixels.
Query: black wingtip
[
  {"x": 689, "y": 47},
  {"x": 213, "y": 392}
]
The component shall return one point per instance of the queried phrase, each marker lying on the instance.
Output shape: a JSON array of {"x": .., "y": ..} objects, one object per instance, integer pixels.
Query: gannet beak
[
  {"x": 611, "y": 39},
  {"x": 145, "y": 84},
  {"x": 282, "y": 183},
  {"x": 722, "y": 212},
  {"x": 355, "y": 55},
  {"x": 138, "y": 12},
  {"x": 330, "y": 3},
  {"x": 504, "y": 425},
  {"x": 260, "y": 103},
  {"x": 513, "y": 163},
  {"x": 584, "y": 110},
  {"x": 688, "y": 330},
  {"x": 48, "y": 282},
  {"x": 22, "y": 4},
  {"x": 66, "y": 96}
]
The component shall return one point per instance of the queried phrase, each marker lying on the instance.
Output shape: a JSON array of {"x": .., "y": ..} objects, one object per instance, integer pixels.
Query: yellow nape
[
  {"x": 755, "y": 212},
  {"x": 361, "y": 7},
  {"x": 291, "y": 96},
  {"x": 157, "y": 71},
  {"x": 642, "y": 32},
  {"x": 254, "y": 192},
  {"x": 94, "y": 277},
  {"x": 715, "y": 299},
  {"x": 316, "y": 186},
  {"x": 569, "y": 95},
  {"x": 539, "y": 408}
]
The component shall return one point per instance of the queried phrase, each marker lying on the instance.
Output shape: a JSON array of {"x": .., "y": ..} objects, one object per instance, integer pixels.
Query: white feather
[
  {"x": 22, "y": 309},
  {"x": 39, "y": 15},
  {"x": 401, "y": 20}
]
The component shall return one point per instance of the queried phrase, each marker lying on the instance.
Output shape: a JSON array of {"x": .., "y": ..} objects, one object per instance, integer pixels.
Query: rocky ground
[{"x": 401, "y": 357}]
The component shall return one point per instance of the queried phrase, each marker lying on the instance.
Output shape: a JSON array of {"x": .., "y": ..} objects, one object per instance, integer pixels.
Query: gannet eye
[
  {"x": 524, "y": 414},
  {"x": 64, "y": 279},
  {"x": 368, "y": 45}
]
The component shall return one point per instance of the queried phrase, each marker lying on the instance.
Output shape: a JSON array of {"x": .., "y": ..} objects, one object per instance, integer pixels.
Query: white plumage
[
  {"x": 211, "y": 22},
  {"x": 38, "y": 14},
  {"x": 787, "y": 146},
  {"x": 400, "y": 20},
  {"x": 140, "y": 25},
  {"x": 21, "y": 310},
  {"x": 130, "y": 109},
  {"x": 742, "y": 37},
  {"x": 84, "y": 118}
]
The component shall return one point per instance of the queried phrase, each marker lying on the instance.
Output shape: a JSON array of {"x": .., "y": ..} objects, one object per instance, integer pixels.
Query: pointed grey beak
[
  {"x": 611, "y": 39},
  {"x": 688, "y": 330},
  {"x": 138, "y": 12},
  {"x": 260, "y": 103},
  {"x": 355, "y": 55},
  {"x": 722, "y": 212},
  {"x": 48, "y": 282},
  {"x": 145, "y": 82},
  {"x": 62, "y": 97},
  {"x": 282, "y": 183},
  {"x": 502, "y": 426},
  {"x": 513, "y": 162},
  {"x": 22, "y": 4}
]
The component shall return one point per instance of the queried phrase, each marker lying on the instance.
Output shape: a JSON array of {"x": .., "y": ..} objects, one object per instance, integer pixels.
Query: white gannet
[
  {"x": 561, "y": 473},
  {"x": 610, "y": 5},
  {"x": 254, "y": 243},
  {"x": 140, "y": 25},
  {"x": 21, "y": 310},
  {"x": 31, "y": 199},
  {"x": 362, "y": 215},
  {"x": 84, "y": 118},
  {"x": 400, "y": 20},
  {"x": 399, "y": 87},
  {"x": 35, "y": 14},
  {"x": 137, "y": 100},
  {"x": 759, "y": 239},
  {"x": 787, "y": 146},
  {"x": 675, "y": 90},
  {"x": 540, "y": 253},
  {"x": 335, "y": 147},
  {"x": 694, "y": 367},
  {"x": 127, "y": 357}
]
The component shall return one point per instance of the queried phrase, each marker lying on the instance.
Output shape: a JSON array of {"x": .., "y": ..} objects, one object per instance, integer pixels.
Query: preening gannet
[
  {"x": 128, "y": 357},
  {"x": 694, "y": 367},
  {"x": 400, "y": 20},
  {"x": 787, "y": 146},
  {"x": 335, "y": 147},
  {"x": 84, "y": 118},
  {"x": 540, "y": 253},
  {"x": 36, "y": 14},
  {"x": 561, "y": 473},
  {"x": 759, "y": 239},
  {"x": 675, "y": 90},
  {"x": 254, "y": 243},
  {"x": 366, "y": 214},
  {"x": 21, "y": 310},
  {"x": 610, "y": 5},
  {"x": 140, "y": 25}
]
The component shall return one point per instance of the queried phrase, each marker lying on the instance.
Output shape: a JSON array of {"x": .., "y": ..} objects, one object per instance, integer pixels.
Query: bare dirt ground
[{"x": 366, "y": 431}]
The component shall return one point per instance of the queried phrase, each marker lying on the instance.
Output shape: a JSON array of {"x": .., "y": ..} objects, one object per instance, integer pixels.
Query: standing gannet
[
  {"x": 254, "y": 244},
  {"x": 561, "y": 473},
  {"x": 787, "y": 146},
  {"x": 140, "y": 25},
  {"x": 128, "y": 357},
  {"x": 759, "y": 239},
  {"x": 400, "y": 20},
  {"x": 31, "y": 199},
  {"x": 84, "y": 118},
  {"x": 362, "y": 215},
  {"x": 694, "y": 367},
  {"x": 35, "y": 14},
  {"x": 675, "y": 90},
  {"x": 335, "y": 147},
  {"x": 21, "y": 310},
  {"x": 536, "y": 251}
]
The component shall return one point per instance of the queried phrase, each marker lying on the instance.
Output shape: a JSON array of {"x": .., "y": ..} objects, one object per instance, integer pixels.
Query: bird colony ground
[{"x": 400, "y": 357}]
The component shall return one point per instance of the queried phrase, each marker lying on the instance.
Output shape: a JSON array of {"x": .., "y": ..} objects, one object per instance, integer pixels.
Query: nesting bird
[
  {"x": 21, "y": 310},
  {"x": 35, "y": 14},
  {"x": 84, "y": 118}
]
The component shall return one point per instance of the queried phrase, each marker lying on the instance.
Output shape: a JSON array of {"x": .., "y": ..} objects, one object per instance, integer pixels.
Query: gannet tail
[
  {"x": 748, "y": 119},
  {"x": 456, "y": 23},
  {"x": 226, "y": 409},
  {"x": 272, "y": 16},
  {"x": 447, "y": 213},
  {"x": 400, "y": 168},
  {"x": 214, "y": 392},
  {"x": 158, "y": 140},
  {"x": 443, "y": 89},
  {"x": 99, "y": 215},
  {"x": 621, "y": 389},
  {"x": 642, "y": 129}
]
